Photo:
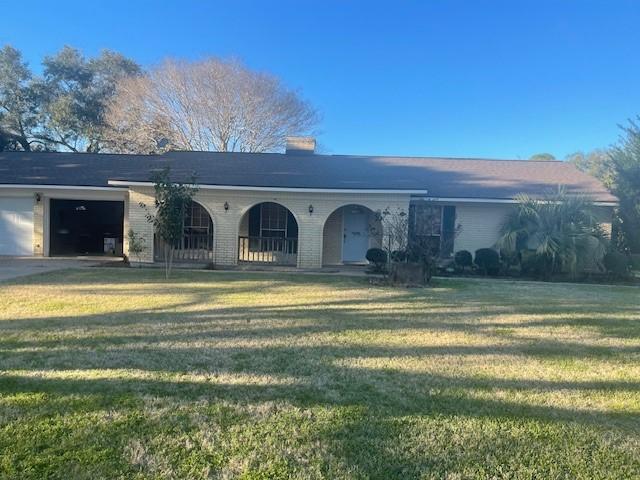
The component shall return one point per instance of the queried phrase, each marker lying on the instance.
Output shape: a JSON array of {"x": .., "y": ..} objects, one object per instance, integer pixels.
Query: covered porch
[
  {"x": 296, "y": 229},
  {"x": 197, "y": 242},
  {"x": 268, "y": 234},
  {"x": 348, "y": 233}
]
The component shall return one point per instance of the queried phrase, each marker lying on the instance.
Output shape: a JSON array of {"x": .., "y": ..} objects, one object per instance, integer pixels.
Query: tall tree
[
  {"x": 75, "y": 95},
  {"x": 625, "y": 159},
  {"x": 542, "y": 157},
  {"x": 64, "y": 109},
  {"x": 212, "y": 105},
  {"x": 18, "y": 102},
  {"x": 596, "y": 163}
]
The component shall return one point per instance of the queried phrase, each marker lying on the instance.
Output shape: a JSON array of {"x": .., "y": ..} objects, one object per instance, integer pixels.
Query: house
[{"x": 296, "y": 208}]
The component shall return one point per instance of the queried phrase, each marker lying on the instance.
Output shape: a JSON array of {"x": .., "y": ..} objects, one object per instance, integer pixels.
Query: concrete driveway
[{"x": 14, "y": 267}]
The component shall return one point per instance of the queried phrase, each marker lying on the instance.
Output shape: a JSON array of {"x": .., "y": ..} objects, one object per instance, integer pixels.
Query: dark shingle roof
[{"x": 441, "y": 177}]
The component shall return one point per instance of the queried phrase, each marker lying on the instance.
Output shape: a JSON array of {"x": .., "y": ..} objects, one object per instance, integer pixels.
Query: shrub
[
  {"x": 533, "y": 264},
  {"x": 488, "y": 261},
  {"x": 559, "y": 226},
  {"x": 378, "y": 258},
  {"x": 509, "y": 259},
  {"x": 617, "y": 264},
  {"x": 399, "y": 256},
  {"x": 463, "y": 259},
  {"x": 136, "y": 245}
]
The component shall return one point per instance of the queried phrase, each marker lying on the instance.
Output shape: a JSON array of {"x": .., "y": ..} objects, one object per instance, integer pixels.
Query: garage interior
[{"x": 86, "y": 227}]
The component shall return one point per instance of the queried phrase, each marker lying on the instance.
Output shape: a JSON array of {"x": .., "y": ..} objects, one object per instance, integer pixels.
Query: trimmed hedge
[
  {"x": 463, "y": 258},
  {"x": 616, "y": 263},
  {"x": 378, "y": 257},
  {"x": 488, "y": 261}
]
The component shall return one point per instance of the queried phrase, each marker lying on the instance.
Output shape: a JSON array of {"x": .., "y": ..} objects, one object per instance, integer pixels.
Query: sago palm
[{"x": 562, "y": 229}]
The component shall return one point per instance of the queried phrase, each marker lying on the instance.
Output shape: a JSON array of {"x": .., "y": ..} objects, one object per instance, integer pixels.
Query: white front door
[
  {"x": 16, "y": 226},
  {"x": 356, "y": 234}
]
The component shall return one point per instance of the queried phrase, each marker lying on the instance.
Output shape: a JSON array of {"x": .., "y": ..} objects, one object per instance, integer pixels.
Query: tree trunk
[
  {"x": 24, "y": 143},
  {"x": 171, "y": 251},
  {"x": 167, "y": 251},
  {"x": 21, "y": 139}
]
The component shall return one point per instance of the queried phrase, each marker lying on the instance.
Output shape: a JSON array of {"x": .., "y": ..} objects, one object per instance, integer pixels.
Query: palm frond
[{"x": 561, "y": 227}]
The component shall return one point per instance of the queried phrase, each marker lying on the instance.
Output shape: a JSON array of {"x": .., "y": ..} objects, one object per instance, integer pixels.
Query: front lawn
[{"x": 114, "y": 373}]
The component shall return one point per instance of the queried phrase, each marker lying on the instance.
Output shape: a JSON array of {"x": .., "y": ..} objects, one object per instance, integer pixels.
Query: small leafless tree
[
  {"x": 404, "y": 245},
  {"x": 210, "y": 105},
  {"x": 394, "y": 224}
]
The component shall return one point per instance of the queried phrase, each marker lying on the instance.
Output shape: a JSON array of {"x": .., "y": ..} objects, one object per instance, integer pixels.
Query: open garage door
[
  {"x": 86, "y": 227},
  {"x": 16, "y": 226}
]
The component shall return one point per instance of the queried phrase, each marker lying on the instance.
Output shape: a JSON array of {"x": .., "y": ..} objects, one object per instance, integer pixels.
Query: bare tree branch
[{"x": 212, "y": 105}]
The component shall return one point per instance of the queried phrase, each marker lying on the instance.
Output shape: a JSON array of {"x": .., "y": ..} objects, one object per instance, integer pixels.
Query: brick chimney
[{"x": 300, "y": 145}]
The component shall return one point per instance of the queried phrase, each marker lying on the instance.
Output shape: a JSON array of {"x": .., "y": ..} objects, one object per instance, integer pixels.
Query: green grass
[{"x": 114, "y": 373}]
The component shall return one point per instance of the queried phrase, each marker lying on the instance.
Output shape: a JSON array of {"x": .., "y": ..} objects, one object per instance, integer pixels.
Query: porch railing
[
  {"x": 194, "y": 247},
  {"x": 273, "y": 250}
]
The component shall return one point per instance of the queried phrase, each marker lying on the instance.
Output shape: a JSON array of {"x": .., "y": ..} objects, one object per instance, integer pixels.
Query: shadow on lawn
[
  {"x": 378, "y": 397},
  {"x": 296, "y": 359}
]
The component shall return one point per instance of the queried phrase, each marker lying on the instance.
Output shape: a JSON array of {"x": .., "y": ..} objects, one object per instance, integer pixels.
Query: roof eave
[{"x": 130, "y": 183}]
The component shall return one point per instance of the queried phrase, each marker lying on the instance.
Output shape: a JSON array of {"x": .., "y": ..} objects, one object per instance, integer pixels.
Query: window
[
  {"x": 197, "y": 227},
  {"x": 273, "y": 220},
  {"x": 434, "y": 224},
  {"x": 428, "y": 220}
]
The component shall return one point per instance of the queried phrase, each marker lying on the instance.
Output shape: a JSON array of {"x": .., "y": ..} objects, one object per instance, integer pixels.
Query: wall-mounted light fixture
[
  {"x": 38, "y": 198},
  {"x": 226, "y": 205},
  {"x": 310, "y": 209}
]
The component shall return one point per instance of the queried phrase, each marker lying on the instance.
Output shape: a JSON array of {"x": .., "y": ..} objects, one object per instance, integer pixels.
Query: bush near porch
[{"x": 114, "y": 373}]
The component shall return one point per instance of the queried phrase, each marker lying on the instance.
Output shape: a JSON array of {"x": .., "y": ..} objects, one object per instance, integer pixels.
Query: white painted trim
[
  {"x": 281, "y": 189},
  {"x": 122, "y": 183},
  {"x": 63, "y": 187},
  {"x": 491, "y": 200},
  {"x": 465, "y": 200}
]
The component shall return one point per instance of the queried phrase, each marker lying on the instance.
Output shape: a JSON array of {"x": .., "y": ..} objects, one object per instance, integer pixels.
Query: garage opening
[{"x": 86, "y": 227}]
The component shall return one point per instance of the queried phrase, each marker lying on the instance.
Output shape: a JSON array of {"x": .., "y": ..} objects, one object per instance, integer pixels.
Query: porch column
[
  {"x": 310, "y": 240},
  {"x": 226, "y": 232}
]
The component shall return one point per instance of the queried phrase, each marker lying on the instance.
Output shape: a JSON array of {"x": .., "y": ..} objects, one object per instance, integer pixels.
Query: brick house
[{"x": 298, "y": 208}]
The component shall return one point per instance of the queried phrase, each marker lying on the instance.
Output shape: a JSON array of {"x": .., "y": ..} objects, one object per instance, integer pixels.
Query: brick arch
[
  {"x": 199, "y": 245},
  {"x": 333, "y": 232},
  {"x": 245, "y": 210},
  {"x": 276, "y": 244}
]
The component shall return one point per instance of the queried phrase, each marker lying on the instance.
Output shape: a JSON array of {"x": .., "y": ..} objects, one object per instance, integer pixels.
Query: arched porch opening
[
  {"x": 268, "y": 233},
  {"x": 197, "y": 242},
  {"x": 348, "y": 233}
]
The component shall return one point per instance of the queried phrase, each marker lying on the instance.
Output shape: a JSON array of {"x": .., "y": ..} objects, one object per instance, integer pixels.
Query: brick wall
[
  {"x": 227, "y": 223},
  {"x": 320, "y": 233}
]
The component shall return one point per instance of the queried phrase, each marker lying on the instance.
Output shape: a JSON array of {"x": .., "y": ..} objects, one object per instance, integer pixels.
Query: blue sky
[{"x": 473, "y": 78}]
